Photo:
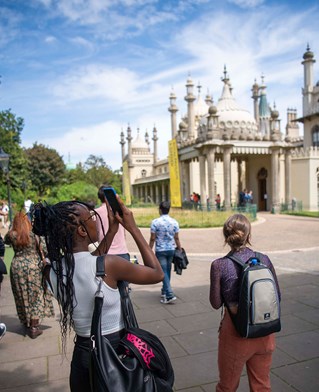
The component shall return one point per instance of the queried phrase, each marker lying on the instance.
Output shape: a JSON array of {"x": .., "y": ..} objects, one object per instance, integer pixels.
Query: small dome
[
  {"x": 274, "y": 114},
  {"x": 308, "y": 55},
  {"x": 189, "y": 81},
  {"x": 212, "y": 109},
  {"x": 182, "y": 125}
]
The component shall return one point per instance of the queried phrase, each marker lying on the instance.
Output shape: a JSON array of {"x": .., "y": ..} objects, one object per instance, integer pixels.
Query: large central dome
[{"x": 234, "y": 122}]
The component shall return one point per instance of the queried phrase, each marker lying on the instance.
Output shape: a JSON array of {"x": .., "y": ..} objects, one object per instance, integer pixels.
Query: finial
[
  {"x": 262, "y": 79},
  {"x": 199, "y": 87},
  {"x": 308, "y": 47},
  {"x": 225, "y": 79}
]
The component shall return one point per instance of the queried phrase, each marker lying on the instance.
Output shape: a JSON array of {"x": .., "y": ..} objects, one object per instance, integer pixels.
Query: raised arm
[{"x": 119, "y": 269}]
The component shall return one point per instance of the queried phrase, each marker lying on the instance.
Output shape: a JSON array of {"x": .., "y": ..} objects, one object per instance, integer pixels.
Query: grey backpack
[{"x": 258, "y": 311}]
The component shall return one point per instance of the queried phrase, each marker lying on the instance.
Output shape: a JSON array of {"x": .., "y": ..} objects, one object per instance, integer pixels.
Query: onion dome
[
  {"x": 139, "y": 145},
  {"x": 182, "y": 125},
  {"x": 200, "y": 107},
  {"x": 308, "y": 54},
  {"x": 233, "y": 120},
  {"x": 212, "y": 110}
]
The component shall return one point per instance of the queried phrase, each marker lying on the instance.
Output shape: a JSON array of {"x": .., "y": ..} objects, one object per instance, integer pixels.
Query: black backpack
[{"x": 258, "y": 312}]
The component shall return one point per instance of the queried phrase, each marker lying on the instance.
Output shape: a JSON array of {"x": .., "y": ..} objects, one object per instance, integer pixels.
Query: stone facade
[{"x": 223, "y": 149}]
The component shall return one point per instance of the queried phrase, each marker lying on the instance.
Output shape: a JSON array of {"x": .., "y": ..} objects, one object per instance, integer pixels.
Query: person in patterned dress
[{"x": 32, "y": 303}]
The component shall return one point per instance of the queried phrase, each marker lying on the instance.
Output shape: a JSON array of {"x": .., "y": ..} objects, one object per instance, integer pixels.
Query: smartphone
[{"x": 110, "y": 195}]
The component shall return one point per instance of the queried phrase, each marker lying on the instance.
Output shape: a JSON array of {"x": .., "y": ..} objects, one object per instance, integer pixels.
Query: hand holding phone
[{"x": 110, "y": 195}]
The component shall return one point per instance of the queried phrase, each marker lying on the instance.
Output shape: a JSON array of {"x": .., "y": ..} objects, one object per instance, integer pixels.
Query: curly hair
[
  {"x": 237, "y": 231},
  {"x": 58, "y": 224}
]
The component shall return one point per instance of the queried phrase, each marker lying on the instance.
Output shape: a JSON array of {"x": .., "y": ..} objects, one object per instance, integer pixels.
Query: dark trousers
[{"x": 80, "y": 376}]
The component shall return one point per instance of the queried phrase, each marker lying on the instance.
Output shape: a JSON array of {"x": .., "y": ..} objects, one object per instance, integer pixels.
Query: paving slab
[
  {"x": 189, "y": 328},
  {"x": 302, "y": 376}
]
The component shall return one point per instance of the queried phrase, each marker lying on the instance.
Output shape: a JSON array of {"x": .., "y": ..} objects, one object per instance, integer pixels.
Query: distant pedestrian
[
  {"x": 234, "y": 352},
  {"x": 217, "y": 201},
  {"x": 164, "y": 233},
  {"x": 4, "y": 212}
]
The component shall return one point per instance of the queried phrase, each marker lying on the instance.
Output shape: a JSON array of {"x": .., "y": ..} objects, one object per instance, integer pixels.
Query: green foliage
[
  {"x": 46, "y": 168},
  {"x": 10, "y": 139},
  {"x": 98, "y": 173},
  {"x": 79, "y": 190}
]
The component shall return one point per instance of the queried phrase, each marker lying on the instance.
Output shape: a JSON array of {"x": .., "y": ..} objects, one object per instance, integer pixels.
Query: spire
[
  {"x": 225, "y": 79},
  {"x": 147, "y": 139}
]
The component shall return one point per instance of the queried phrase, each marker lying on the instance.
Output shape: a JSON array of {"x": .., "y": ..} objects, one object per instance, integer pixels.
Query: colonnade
[
  {"x": 207, "y": 159},
  {"x": 152, "y": 192}
]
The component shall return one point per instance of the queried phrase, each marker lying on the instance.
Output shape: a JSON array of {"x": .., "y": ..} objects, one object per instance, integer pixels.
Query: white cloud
[
  {"x": 50, "y": 39},
  {"x": 247, "y": 3}
]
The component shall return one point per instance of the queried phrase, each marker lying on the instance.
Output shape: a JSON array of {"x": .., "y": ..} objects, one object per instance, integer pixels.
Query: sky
[{"x": 80, "y": 71}]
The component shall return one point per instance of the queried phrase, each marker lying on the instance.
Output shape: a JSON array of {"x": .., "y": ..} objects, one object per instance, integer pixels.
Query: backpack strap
[{"x": 236, "y": 259}]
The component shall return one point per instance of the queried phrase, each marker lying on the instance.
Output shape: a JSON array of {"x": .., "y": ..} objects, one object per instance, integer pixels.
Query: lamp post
[{"x": 4, "y": 164}]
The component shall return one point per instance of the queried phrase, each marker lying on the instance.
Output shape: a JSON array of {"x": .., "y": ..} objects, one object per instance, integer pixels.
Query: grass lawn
[
  {"x": 310, "y": 214},
  {"x": 8, "y": 255},
  {"x": 185, "y": 218}
]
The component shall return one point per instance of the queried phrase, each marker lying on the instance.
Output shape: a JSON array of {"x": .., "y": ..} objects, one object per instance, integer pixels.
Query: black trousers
[{"x": 79, "y": 376}]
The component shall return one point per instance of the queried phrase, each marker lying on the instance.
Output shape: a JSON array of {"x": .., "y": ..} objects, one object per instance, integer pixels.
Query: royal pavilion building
[{"x": 223, "y": 149}]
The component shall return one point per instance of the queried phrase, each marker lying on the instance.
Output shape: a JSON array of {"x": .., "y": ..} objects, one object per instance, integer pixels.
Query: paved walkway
[{"x": 189, "y": 327}]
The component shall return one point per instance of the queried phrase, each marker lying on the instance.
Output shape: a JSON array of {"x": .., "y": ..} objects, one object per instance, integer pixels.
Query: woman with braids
[
  {"x": 32, "y": 302},
  {"x": 69, "y": 228}
]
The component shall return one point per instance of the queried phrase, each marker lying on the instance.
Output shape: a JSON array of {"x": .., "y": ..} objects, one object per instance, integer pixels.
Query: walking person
[
  {"x": 69, "y": 228},
  {"x": 32, "y": 302},
  {"x": 164, "y": 233},
  {"x": 234, "y": 352}
]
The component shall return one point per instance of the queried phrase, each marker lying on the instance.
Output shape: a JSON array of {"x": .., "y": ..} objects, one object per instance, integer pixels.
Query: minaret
[
  {"x": 264, "y": 112},
  {"x": 190, "y": 98},
  {"x": 122, "y": 143},
  {"x": 173, "y": 109},
  {"x": 255, "y": 97},
  {"x": 308, "y": 80},
  {"x": 155, "y": 138},
  {"x": 129, "y": 145},
  {"x": 275, "y": 125}
]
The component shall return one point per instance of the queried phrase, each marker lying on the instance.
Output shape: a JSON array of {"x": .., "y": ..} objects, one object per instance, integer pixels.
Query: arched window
[
  {"x": 315, "y": 136},
  {"x": 143, "y": 173}
]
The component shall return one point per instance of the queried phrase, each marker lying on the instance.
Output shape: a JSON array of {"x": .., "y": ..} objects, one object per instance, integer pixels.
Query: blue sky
[{"x": 78, "y": 71}]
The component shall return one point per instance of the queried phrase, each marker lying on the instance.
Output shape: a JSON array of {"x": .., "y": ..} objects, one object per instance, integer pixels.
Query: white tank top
[{"x": 86, "y": 284}]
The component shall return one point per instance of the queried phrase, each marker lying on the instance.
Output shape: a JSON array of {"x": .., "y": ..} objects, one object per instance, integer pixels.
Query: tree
[
  {"x": 46, "y": 168},
  {"x": 97, "y": 172},
  {"x": 10, "y": 139}
]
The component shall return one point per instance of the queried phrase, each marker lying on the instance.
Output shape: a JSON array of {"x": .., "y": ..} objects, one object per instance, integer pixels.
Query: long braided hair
[{"x": 58, "y": 224}]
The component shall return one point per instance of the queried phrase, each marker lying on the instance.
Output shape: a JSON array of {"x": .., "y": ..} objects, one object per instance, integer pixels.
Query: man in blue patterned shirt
[{"x": 164, "y": 232}]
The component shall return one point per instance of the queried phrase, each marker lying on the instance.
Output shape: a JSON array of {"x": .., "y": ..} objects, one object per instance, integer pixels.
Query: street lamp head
[{"x": 4, "y": 160}]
